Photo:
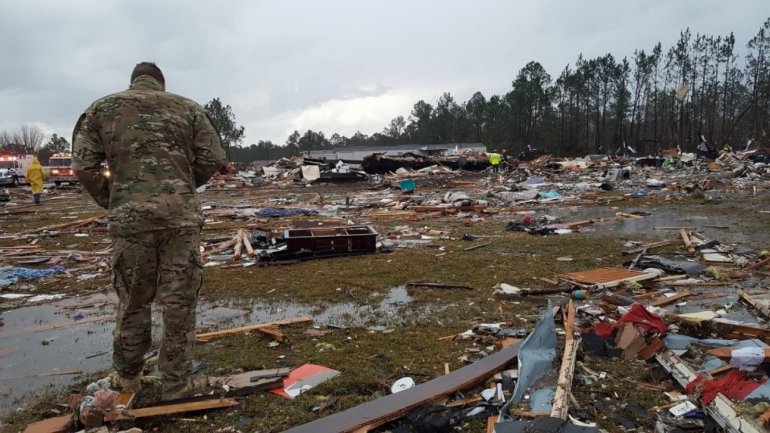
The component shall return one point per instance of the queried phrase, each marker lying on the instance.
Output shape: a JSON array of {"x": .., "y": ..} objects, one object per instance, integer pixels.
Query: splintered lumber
[
  {"x": 759, "y": 264},
  {"x": 393, "y": 406},
  {"x": 687, "y": 241},
  {"x": 439, "y": 286},
  {"x": 762, "y": 307},
  {"x": 726, "y": 353},
  {"x": 577, "y": 224},
  {"x": 206, "y": 336},
  {"x": 647, "y": 247},
  {"x": 238, "y": 244},
  {"x": 477, "y": 246},
  {"x": 247, "y": 244},
  {"x": 739, "y": 331},
  {"x": 671, "y": 299},
  {"x": 170, "y": 409},
  {"x": 564, "y": 383},
  {"x": 67, "y": 225},
  {"x": 722, "y": 410}
]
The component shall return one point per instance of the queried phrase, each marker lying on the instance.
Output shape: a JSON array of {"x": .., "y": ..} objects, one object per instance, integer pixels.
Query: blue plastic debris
[{"x": 11, "y": 275}]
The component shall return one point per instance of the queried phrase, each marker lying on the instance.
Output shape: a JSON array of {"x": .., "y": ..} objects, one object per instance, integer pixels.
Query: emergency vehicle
[
  {"x": 13, "y": 169},
  {"x": 60, "y": 170}
]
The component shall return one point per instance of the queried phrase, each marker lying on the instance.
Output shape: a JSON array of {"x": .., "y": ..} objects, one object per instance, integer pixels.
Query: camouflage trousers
[{"x": 162, "y": 266}]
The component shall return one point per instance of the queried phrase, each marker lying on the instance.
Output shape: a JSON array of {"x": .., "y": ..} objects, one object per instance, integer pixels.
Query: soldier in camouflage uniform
[{"x": 159, "y": 147}]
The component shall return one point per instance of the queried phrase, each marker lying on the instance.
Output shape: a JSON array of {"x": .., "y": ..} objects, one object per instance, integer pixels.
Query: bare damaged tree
[{"x": 25, "y": 139}]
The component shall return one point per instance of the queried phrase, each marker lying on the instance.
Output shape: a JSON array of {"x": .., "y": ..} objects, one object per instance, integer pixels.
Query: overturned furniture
[{"x": 352, "y": 239}]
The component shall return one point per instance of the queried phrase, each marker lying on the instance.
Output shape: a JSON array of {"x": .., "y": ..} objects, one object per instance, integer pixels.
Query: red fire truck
[{"x": 59, "y": 169}]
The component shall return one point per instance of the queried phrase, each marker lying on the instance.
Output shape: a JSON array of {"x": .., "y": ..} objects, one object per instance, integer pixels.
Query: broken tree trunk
[{"x": 378, "y": 412}]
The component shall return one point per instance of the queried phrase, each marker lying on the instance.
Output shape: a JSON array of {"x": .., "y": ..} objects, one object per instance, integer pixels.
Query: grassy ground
[{"x": 370, "y": 360}]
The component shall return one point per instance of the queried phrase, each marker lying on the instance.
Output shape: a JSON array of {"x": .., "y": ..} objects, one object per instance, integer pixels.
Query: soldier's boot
[
  {"x": 130, "y": 383},
  {"x": 188, "y": 387}
]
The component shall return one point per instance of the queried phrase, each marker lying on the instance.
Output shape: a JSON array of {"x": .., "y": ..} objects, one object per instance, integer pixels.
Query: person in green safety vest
[{"x": 494, "y": 160}]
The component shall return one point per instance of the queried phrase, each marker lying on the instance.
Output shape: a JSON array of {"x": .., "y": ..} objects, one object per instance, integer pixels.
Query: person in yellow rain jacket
[{"x": 35, "y": 176}]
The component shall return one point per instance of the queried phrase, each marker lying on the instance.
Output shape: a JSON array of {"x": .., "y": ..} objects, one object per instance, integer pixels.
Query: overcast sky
[{"x": 333, "y": 66}]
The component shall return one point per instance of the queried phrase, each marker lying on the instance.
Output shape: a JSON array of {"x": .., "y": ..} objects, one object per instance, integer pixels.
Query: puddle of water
[{"x": 29, "y": 366}]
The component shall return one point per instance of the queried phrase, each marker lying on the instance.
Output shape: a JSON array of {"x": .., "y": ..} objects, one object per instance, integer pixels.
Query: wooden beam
[
  {"x": 671, "y": 299},
  {"x": 564, "y": 383},
  {"x": 385, "y": 409},
  {"x": 686, "y": 240},
  {"x": 763, "y": 308},
  {"x": 759, "y": 264},
  {"x": 206, "y": 336},
  {"x": 170, "y": 409},
  {"x": 247, "y": 244},
  {"x": 273, "y": 333},
  {"x": 238, "y": 244}
]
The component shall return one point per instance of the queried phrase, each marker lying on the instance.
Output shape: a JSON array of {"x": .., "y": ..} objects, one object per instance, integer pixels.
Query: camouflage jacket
[{"x": 159, "y": 147}]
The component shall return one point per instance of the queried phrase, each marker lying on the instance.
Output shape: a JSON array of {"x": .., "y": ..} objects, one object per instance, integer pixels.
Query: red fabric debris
[
  {"x": 650, "y": 322},
  {"x": 733, "y": 385},
  {"x": 604, "y": 329}
]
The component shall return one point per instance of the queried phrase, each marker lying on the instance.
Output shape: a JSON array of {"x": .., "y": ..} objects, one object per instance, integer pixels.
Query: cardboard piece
[{"x": 630, "y": 340}]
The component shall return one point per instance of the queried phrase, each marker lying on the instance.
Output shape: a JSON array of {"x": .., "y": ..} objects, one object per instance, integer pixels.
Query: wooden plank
[
  {"x": 564, "y": 383},
  {"x": 393, "y": 406},
  {"x": 247, "y": 244},
  {"x": 762, "y": 307},
  {"x": 491, "y": 421},
  {"x": 439, "y": 286},
  {"x": 206, "y": 336},
  {"x": 59, "y": 424},
  {"x": 170, "y": 409},
  {"x": 465, "y": 401},
  {"x": 759, "y": 264},
  {"x": 651, "y": 349},
  {"x": 238, "y": 244},
  {"x": 671, "y": 299},
  {"x": 726, "y": 353},
  {"x": 273, "y": 333},
  {"x": 686, "y": 240}
]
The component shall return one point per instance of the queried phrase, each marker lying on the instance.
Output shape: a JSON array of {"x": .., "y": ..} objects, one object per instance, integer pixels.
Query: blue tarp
[
  {"x": 269, "y": 212},
  {"x": 10, "y": 276}
]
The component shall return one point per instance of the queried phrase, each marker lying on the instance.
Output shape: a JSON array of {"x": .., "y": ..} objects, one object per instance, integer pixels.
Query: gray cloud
[{"x": 337, "y": 66}]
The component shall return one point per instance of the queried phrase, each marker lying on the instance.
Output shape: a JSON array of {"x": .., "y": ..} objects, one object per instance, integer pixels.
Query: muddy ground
[{"x": 380, "y": 331}]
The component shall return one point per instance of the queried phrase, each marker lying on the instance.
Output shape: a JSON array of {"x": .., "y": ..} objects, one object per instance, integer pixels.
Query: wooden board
[
  {"x": 206, "y": 336},
  {"x": 727, "y": 353},
  {"x": 170, "y": 409},
  {"x": 762, "y": 305},
  {"x": 59, "y": 424},
  {"x": 564, "y": 384},
  {"x": 604, "y": 275},
  {"x": 671, "y": 299},
  {"x": 251, "y": 381},
  {"x": 393, "y": 406}
]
